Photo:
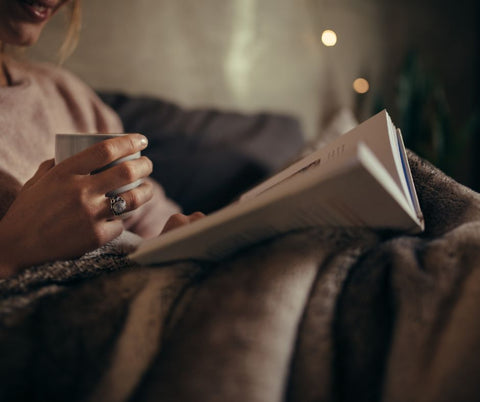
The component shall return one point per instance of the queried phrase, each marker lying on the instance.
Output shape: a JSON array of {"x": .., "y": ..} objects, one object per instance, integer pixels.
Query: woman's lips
[{"x": 38, "y": 10}]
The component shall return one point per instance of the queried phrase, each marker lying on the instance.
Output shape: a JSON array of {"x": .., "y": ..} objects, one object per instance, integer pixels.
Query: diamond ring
[{"x": 118, "y": 205}]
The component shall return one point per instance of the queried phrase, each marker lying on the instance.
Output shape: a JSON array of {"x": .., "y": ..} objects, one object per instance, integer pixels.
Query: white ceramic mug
[{"x": 67, "y": 145}]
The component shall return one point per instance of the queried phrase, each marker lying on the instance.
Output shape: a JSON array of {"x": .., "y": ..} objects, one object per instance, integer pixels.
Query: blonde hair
[{"x": 73, "y": 33}]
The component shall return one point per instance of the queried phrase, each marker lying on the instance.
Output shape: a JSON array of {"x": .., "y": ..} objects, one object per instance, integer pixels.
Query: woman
[{"x": 61, "y": 211}]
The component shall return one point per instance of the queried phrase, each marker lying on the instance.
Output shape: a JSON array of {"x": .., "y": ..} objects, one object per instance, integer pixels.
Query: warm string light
[
  {"x": 361, "y": 86},
  {"x": 329, "y": 38}
]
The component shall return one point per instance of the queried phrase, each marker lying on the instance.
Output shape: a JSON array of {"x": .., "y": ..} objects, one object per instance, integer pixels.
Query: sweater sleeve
[{"x": 85, "y": 110}]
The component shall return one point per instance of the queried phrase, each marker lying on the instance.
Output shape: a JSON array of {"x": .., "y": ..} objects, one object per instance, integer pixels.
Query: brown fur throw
[{"x": 322, "y": 315}]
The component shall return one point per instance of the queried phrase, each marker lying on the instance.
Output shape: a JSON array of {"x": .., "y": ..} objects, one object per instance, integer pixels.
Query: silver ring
[{"x": 118, "y": 205}]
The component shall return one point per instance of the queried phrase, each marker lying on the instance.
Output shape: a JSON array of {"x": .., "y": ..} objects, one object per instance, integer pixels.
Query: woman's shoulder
[
  {"x": 45, "y": 75},
  {"x": 57, "y": 82}
]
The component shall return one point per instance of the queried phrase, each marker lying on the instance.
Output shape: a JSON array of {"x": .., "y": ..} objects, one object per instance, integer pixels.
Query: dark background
[{"x": 430, "y": 81}]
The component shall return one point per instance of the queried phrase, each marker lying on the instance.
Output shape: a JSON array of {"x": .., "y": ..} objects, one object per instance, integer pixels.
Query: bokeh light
[
  {"x": 361, "y": 85},
  {"x": 329, "y": 38}
]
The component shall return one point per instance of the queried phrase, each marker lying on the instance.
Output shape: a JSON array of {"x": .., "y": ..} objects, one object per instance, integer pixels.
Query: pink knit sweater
[{"x": 43, "y": 100}]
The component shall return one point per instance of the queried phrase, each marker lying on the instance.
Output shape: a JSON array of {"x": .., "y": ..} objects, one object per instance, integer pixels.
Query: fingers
[
  {"x": 134, "y": 199},
  {"x": 178, "y": 220},
  {"x": 196, "y": 216},
  {"x": 175, "y": 221},
  {"x": 122, "y": 174},
  {"x": 103, "y": 153},
  {"x": 109, "y": 165}
]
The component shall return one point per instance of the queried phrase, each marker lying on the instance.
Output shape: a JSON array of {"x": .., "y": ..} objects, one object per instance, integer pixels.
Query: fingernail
[{"x": 143, "y": 141}]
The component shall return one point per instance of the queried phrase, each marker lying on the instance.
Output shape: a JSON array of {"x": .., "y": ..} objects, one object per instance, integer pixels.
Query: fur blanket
[{"x": 322, "y": 315}]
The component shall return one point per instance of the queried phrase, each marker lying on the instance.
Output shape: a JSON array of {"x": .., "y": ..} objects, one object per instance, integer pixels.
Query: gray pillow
[{"x": 204, "y": 158}]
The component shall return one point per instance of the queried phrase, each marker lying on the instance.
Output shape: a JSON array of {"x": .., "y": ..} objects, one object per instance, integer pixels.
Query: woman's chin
[{"x": 24, "y": 36}]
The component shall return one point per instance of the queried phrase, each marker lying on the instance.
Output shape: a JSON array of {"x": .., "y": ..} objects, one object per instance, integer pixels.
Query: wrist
[{"x": 10, "y": 262}]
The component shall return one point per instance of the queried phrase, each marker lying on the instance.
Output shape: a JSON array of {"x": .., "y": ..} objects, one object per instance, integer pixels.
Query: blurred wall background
[{"x": 253, "y": 55}]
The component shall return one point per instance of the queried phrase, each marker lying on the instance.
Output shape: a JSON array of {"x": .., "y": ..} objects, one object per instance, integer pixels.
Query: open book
[{"x": 361, "y": 179}]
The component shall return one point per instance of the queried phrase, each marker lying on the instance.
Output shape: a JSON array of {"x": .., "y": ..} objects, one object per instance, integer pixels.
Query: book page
[
  {"x": 413, "y": 198},
  {"x": 378, "y": 133}
]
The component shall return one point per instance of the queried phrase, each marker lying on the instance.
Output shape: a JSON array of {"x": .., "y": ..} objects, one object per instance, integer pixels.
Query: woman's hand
[
  {"x": 62, "y": 211},
  {"x": 178, "y": 220}
]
